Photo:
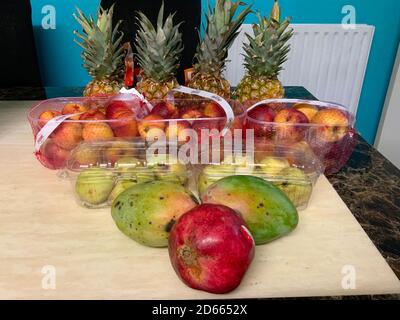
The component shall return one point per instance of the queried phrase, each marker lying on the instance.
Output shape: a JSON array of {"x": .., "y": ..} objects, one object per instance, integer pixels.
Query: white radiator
[{"x": 326, "y": 59}]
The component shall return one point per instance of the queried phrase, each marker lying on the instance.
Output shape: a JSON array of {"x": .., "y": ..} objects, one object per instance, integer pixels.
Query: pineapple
[
  {"x": 158, "y": 53},
  {"x": 264, "y": 55},
  {"x": 102, "y": 52},
  {"x": 221, "y": 30}
]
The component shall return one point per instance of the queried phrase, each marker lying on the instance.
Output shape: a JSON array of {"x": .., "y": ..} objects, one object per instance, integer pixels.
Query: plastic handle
[
  {"x": 230, "y": 116},
  {"x": 134, "y": 92},
  {"x": 312, "y": 102}
]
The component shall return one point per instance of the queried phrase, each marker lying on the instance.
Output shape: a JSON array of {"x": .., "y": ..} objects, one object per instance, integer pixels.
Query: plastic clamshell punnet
[
  {"x": 129, "y": 119},
  {"x": 293, "y": 169},
  {"x": 100, "y": 171},
  {"x": 328, "y": 128}
]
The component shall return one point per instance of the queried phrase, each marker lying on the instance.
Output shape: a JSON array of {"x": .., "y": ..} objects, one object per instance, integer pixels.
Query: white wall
[
  {"x": 326, "y": 59},
  {"x": 388, "y": 137}
]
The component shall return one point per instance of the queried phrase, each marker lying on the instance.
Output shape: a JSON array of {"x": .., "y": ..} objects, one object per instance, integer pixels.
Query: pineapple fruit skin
[
  {"x": 102, "y": 88},
  {"x": 259, "y": 88},
  {"x": 211, "y": 83},
  {"x": 155, "y": 90}
]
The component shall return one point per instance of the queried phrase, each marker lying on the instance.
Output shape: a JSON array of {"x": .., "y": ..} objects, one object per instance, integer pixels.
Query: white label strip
[
  {"x": 230, "y": 116},
  {"x": 49, "y": 127},
  {"x": 52, "y": 124},
  {"x": 134, "y": 92}
]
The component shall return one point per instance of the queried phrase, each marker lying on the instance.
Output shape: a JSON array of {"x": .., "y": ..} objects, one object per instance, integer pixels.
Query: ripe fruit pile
[
  {"x": 293, "y": 123},
  {"x": 211, "y": 245},
  {"x": 326, "y": 130},
  {"x": 121, "y": 117},
  {"x": 101, "y": 122},
  {"x": 173, "y": 119}
]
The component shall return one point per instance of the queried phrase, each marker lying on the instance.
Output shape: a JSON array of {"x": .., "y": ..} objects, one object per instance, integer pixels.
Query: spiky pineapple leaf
[
  {"x": 220, "y": 31},
  {"x": 101, "y": 43},
  {"x": 158, "y": 47},
  {"x": 267, "y": 49}
]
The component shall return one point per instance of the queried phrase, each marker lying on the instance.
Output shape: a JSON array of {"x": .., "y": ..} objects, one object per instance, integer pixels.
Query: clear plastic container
[
  {"x": 105, "y": 123},
  {"x": 326, "y": 127},
  {"x": 100, "y": 171},
  {"x": 292, "y": 168}
]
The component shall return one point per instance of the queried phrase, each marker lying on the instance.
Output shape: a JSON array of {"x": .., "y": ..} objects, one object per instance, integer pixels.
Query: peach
[
  {"x": 289, "y": 125},
  {"x": 177, "y": 130},
  {"x": 128, "y": 128},
  {"x": 334, "y": 124},
  {"x": 47, "y": 115},
  {"x": 259, "y": 119},
  {"x": 68, "y": 135},
  {"x": 72, "y": 108},
  {"x": 213, "y": 110},
  {"x": 165, "y": 109},
  {"x": 97, "y": 132},
  {"x": 192, "y": 114},
  {"x": 115, "y": 108},
  {"x": 118, "y": 150},
  {"x": 151, "y": 126},
  {"x": 52, "y": 155},
  {"x": 93, "y": 114},
  {"x": 301, "y": 153},
  {"x": 308, "y": 109}
]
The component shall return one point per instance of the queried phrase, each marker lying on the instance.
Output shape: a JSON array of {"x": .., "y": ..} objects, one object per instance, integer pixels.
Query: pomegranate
[{"x": 211, "y": 248}]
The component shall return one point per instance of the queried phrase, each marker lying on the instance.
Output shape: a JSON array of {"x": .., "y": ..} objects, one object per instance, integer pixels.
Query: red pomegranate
[{"x": 210, "y": 248}]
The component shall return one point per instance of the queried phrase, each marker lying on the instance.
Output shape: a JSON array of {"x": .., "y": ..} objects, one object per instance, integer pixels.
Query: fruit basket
[
  {"x": 292, "y": 169},
  {"x": 324, "y": 127},
  {"x": 60, "y": 124},
  {"x": 176, "y": 117},
  {"x": 100, "y": 171}
]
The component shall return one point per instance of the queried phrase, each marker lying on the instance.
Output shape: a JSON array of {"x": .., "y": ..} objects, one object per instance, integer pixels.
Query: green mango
[
  {"x": 94, "y": 185},
  {"x": 147, "y": 211},
  {"x": 120, "y": 186},
  {"x": 211, "y": 174},
  {"x": 296, "y": 185},
  {"x": 268, "y": 212}
]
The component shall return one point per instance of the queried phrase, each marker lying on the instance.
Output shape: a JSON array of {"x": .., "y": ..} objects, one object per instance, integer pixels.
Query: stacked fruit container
[
  {"x": 293, "y": 142},
  {"x": 323, "y": 127},
  {"x": 60, "y": 124},
  {"x": 118, "y": 165}
]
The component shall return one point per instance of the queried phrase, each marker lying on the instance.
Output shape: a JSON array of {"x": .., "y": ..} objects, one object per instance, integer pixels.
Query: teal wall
[
  {"x": 57, "y": 52},
  {"x": 59, "y": 56}
]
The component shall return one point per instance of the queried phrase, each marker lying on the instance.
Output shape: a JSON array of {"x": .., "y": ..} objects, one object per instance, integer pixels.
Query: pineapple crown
[
  {"x": 158, "y": 48},
  {"x": 220, "y": 32},
  {"x": 267, "y": 50},
  {"x": 102, "y": 51}
]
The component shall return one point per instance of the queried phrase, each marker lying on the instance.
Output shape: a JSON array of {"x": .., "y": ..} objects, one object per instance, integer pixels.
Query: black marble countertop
[{"x": 369, "y": 184}]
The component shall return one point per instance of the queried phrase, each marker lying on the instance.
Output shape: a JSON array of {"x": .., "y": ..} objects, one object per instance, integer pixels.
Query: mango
[
  {"x": 147, "y": 211},
  {"x": 267, "y": 211},
  {"x": 94, "y": 185}
]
